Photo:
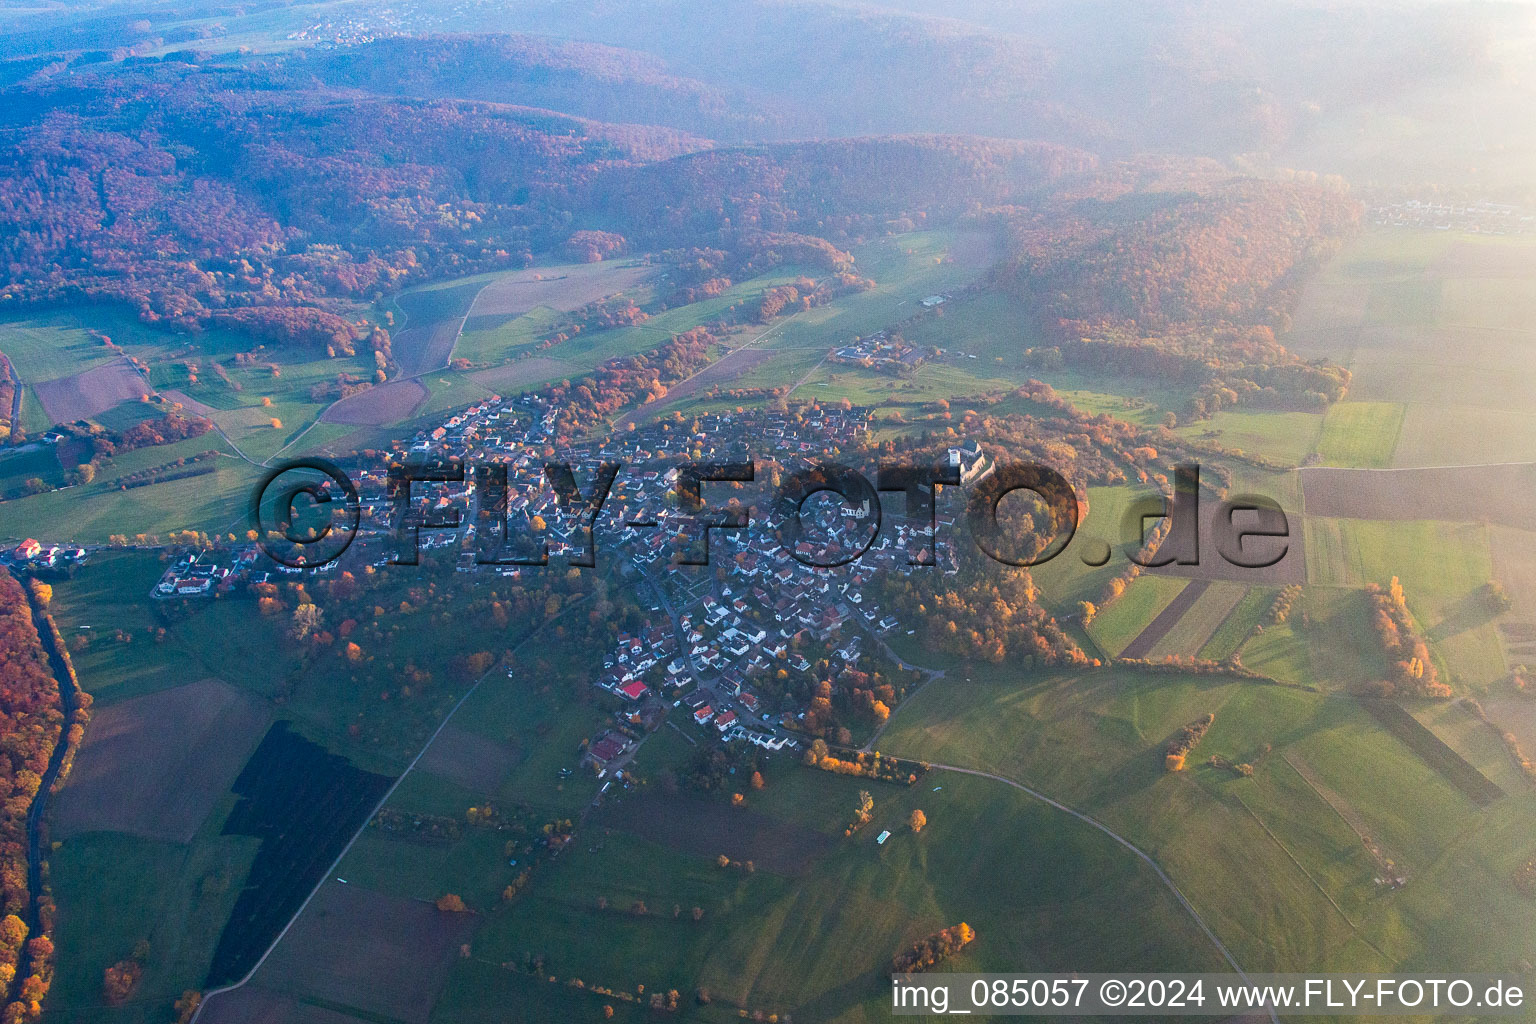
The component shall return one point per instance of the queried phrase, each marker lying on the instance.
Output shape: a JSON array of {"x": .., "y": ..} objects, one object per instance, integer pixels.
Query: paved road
[
  {"x": 498, "y": 669},
  {"x": 1117, "y": 837}
]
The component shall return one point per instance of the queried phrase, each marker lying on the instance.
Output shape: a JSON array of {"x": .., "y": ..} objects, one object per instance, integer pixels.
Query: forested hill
[
  {"x": 247, "y": 190},
  {"x": 605, "y": 83},
  {"x": 181, "y": 189},
  {"x": 1188, "y": 284},
  {"x": 839, "y": 189}
]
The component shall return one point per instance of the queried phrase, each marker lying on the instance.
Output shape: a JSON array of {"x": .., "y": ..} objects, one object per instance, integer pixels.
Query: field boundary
[
  {"x": 331, "y": 869},
  {"x": 1435, "y": 752},
  {"x": 1117, "y": 837},
  {"x": 1142, "y": 643}
]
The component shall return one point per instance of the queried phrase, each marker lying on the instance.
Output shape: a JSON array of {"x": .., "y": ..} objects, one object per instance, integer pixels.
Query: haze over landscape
[{"x": 291, "y": 738}]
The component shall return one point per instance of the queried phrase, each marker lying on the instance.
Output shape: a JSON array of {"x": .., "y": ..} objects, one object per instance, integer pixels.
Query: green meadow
[
  {"x": 1360, "y": 434},
  {"x": 1442, "y": 566},
  {"x": 1124, "y": 618},
  {"x": 1277, "y": 870}
]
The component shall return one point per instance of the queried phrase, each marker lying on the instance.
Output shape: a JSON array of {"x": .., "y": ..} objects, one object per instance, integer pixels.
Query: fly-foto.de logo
[{"x": 307, "y": 513}]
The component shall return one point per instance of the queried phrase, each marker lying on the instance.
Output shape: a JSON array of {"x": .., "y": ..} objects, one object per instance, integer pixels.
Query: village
[
  {"x": 729, "y": 644},
  {"x": 735, "y": 645}
]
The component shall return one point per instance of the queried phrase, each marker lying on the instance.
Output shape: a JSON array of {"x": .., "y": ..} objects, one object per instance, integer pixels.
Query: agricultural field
[
  {"x": 92, "y": 513},
  {"x": 1468, "y": 494},
  {"x": 22, "y": 464},
  {"x": 467, "y": 788},
  {"x": 115, "y": 891},
  {"x": 789, "y": 353},
  {"x": 395, "y": 955},
  {"x": 1238, "y": 625},
  {"x": 931, "y": 382},
  {"x": 492, "y": 318},
  {"x": 1305, "y": 892},
  {"x": 989, "y": 326},
  {"x": 1440, "y": 323},
  {"x": 1196, "y": 627},
  {"x": 785, "y": 942},
  {"x": 646, "y": 845},
  {"x": 1324, "y": 644},
  {"x": 1123, "y": 620},
  {"x": 1443, "y": 568},
  {"x": 143, "y": 854},
  {"x": 1360, "y": 434},
  {"x": 1283, "y": 437},
  {"x": 282, "y": 406},
  {"x": 86, "y": 395},
  {"x": 1065, "y": 580},
  {"x": 54, "y": 346},
  {"x": 136, "y": 770},
  {"x": 905, "y": 268}
]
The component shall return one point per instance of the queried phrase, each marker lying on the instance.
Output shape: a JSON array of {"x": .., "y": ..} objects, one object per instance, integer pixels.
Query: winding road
[{"x": 1117, "y": 837}]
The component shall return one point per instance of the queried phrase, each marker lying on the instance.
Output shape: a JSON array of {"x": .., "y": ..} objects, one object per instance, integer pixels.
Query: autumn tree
[
  {"x": 186, "y": 1006},
  {"x": 918, "y": 820},
  {"x": 121, "y": 980}
]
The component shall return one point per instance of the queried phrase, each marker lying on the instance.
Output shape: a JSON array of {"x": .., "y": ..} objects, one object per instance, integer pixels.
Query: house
[
  {"x": 28, "y": 549},
  {"x": 725, "y": 720},
  {"x": 633, "y": 690},
  {"x": 704, "y": 714},
  {"x": 609, "y": 748}
]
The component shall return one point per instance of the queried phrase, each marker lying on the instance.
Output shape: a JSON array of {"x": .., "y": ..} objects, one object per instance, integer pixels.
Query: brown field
[
  {"x": 1291, "y": 568},
  {"x": 379, "y": 405},
  {"x": 1141, "y": 645},
  {"x": 722, "y": 371},
  {"x": 426, "y": 348},
  {"x": 1514, "y": 565},
  {"x": 525, "y": 373},
  {"x": 155, "y": 765},
  {"x": 707, "y": 828},
  {"x": 90, "y": 393},
  {"x": 1501, "y": 494},
  {"x": 476, "y": 762},
  {"x": 384, "y": 956},
  {"x": 1506, "y": 257},
  {"x": 1516, "y": 714},
  {"x": 562, "y": 289}
]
